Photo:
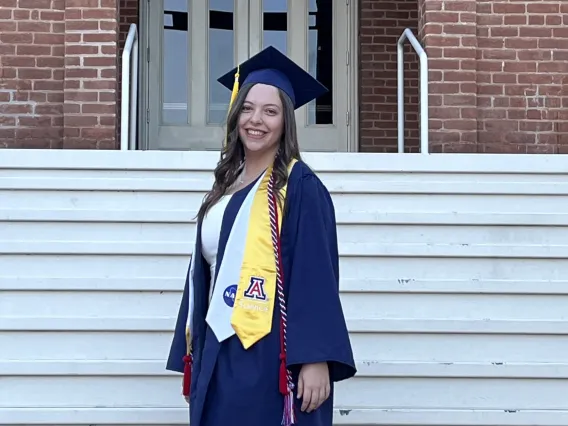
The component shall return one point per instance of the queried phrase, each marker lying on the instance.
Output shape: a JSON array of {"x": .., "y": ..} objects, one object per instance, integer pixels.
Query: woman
[{"x": 260, "y": 335}]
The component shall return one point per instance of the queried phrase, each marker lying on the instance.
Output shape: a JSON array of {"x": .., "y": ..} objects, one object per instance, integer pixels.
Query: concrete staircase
[{"x": 454, "y": 282}]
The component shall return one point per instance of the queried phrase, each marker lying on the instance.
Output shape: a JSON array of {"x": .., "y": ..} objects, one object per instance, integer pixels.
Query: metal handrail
[
  {"x": 129, "y": 96},
  {"x": 423, "y": 57}
]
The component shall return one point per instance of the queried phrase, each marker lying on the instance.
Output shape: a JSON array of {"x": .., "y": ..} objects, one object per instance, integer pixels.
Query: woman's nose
[{"x": 256, "y": 117}]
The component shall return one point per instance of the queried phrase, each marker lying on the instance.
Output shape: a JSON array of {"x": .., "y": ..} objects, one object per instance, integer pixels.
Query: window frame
[{"x": 248, "y": 40}]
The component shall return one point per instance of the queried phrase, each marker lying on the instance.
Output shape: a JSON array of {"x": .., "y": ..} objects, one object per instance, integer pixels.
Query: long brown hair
[{"x": 233, "y": 155}]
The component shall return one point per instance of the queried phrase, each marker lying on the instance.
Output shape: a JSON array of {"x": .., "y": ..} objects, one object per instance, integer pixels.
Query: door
[{"x": 192, "y": 43}]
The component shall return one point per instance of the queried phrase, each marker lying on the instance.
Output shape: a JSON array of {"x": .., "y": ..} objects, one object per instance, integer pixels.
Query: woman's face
[{"x": 261, "y": 120}]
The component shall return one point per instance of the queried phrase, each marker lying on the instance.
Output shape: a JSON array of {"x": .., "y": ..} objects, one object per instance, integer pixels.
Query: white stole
[{"x": 225, "y": 289}]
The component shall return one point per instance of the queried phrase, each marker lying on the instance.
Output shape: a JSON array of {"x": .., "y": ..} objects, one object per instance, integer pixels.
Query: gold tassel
[
  {"x": 234, "y": 93},
  {"x": 235, "y": 88}
]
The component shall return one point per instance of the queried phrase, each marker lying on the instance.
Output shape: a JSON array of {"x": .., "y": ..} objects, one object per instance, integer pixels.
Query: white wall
[{"x": 454, "y": 282}]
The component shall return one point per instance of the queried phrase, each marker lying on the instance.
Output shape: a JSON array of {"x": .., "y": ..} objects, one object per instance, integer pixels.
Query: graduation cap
[{"x": 272, "y": 67}]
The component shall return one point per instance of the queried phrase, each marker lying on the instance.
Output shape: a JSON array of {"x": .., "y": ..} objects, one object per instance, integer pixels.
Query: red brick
[
  {"x": 82, "y": 25},
  {"x": 506, "y": 8},
  {"x": 52, "y": 15},
  {"x": 35, "y": 4},
  {"x": 20, "y": 14},
  {"x": 72, "y": 73},
  {"x": 8, "y": 26},
  {"x": 552, "y": 20},
  {"x": 50, "y": 39},
  {"x": 110, "y": 73},
  {"x": 537, "y": 19},
  {"x": 34, "y": 74},
  {"x": 98, "y": 133},
  {"x": 543, "y": 8},
  {"x": 50, "y": 62},
  {"x": 33, "y": 50},
  {"x": 81, "y": 121},
  {"x": 48, "y": 85},
  {"x": 18, "y": 61},
  {"x": 107, "y": 25},
  {"x": 16, "y": 38},
  {"x": 98, "y": 108},
  {"x": 515, "y": 19},
  {"x": 99, "y": 61},
  {"x": 15, "y": 109},
  {"x": 93, "y": 4},
  {"x": 99, "y": 38},
  {"x": 7, "y": 121},
  {"x": 99, "y": 14},
  {"x": 31, "y": 26},
  {"x": 35, "y": 121}
]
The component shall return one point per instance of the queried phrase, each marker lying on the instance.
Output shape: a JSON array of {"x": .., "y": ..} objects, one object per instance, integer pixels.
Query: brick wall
[
  {"x": 499, "y": 75},
  {"x": 522, "y": 76},
  {"x": 91, "y": 73},
  {"x": 449, "y": 34},
  {"x": 381, "y": 24},
  {"x": 31, "y": 73},
  {"x": 128, "y": 15},
  {"x": 58, "y": 73}
]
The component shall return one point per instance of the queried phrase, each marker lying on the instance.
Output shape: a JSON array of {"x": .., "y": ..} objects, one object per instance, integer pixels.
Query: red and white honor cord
[{"x": 285, "y": 384}]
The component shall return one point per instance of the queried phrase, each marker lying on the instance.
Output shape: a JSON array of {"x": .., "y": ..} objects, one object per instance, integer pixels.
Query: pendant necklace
[{"x": 241, "y": 178}]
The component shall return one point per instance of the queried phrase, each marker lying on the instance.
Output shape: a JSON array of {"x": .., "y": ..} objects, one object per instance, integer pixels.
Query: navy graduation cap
[{"x": 272, "y": 67}]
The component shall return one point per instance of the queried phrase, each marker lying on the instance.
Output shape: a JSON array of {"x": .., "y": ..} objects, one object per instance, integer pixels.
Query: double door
[{"x": 193, "y": 42}]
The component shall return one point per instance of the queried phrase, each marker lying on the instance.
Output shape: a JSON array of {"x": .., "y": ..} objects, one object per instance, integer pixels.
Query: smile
[{"x": 255, "y": 133}]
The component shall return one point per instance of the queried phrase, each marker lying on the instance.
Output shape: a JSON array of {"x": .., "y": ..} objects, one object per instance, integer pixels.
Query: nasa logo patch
[{"x": 229, "y": 295}]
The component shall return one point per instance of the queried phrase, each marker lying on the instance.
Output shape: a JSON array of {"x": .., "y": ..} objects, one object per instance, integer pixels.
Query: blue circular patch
[{"x": 229, "y": 295}]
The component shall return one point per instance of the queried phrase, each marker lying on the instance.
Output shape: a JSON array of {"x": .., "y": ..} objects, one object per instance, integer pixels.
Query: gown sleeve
[
  {"x": 317, "y": 330},
  {"x": 178, "y": 347}
]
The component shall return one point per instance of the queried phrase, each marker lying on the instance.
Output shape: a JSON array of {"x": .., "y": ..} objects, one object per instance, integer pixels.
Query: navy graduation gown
[{"x": 231, "y": 385}]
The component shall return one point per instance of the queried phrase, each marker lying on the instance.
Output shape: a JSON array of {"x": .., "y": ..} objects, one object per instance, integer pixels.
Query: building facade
[{"x": 498, "y": 71}]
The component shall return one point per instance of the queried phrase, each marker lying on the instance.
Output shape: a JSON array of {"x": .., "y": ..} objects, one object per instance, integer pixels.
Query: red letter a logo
[{"x": 255, "y": 289}]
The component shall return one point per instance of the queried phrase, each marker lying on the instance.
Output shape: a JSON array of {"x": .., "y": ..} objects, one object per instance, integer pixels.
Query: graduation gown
[{"x": 234, "y": 386}]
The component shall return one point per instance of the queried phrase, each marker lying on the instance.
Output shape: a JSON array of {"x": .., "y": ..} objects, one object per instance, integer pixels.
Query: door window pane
[
  {"x": 175, "y": 52},
  {"x": 221, "y": 57},
  {"x": 320, "y": 58},
  {"x": 275, "y": 24}
]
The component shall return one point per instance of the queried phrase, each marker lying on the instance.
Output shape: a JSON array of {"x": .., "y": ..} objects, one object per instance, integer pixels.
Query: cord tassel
[
  {"x": 283, "y": 377},
  {"x": 289, "y": 417},
  {"x": 285, "y": 384},
  {"x": 188, "y": 361}
]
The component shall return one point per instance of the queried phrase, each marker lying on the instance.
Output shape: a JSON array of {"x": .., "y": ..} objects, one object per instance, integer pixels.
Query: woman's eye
[
  {"x": 246, "y": 108},
  {"x": 271, "y": 112}
]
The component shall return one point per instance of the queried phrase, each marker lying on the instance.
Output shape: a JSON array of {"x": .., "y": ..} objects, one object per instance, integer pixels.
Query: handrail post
[
  {"x": 423, "y": 58},
  {"x": 129, "y": 90}
]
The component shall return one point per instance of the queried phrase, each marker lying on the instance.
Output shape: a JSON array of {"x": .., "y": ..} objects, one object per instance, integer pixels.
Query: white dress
[{"x": 210, "y": 232}]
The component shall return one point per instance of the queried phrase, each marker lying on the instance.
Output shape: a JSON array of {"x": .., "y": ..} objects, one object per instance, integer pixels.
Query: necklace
[{"x": 241, "y": 178}]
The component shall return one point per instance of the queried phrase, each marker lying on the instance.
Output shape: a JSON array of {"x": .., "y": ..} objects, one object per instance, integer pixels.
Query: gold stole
[{"x": 256, "y": 292}]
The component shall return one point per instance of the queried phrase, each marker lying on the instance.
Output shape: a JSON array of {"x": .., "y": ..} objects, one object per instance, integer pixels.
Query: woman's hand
[{"x": 313, "y": 385}]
